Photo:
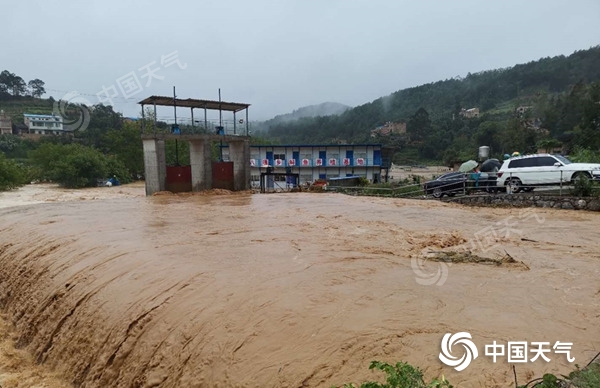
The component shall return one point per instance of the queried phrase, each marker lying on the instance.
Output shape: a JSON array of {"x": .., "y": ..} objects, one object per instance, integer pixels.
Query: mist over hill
[
  {"x": 317, "y": 110},
  {"x": 551, "y": 100},
  {"x": 324, "y": 109}
]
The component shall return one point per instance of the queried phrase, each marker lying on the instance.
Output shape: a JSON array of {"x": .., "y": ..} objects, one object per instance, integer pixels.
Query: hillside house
[
  {"x": 5, "y": 124},
  {"x": 388, "y": 129},
  {"x": 470, "y": 113},
  {"x": 43, "y": 124},
  {"x": 522, "y": 109}
]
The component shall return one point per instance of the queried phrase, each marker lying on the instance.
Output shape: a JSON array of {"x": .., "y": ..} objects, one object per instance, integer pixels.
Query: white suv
[{"x": 530, "y": 171}]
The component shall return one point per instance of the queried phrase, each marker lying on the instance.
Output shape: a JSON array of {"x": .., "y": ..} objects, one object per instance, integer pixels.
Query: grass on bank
[{"x": 404, "y": 375}]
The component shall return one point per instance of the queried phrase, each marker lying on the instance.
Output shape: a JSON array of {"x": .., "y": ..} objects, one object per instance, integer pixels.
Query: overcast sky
[{"x": 278, "y": 55}]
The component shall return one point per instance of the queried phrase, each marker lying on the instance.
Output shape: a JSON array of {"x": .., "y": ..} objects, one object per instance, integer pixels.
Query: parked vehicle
[
  {"x": 459, "y": 182},
  {"x": 524, "y": 173},
  {"x": 448, "y": 184}
]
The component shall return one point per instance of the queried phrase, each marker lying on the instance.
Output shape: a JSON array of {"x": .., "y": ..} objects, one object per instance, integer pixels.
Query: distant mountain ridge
[
  {"x": 493, "y": 92},
  {"x": 323, "y": 109}
]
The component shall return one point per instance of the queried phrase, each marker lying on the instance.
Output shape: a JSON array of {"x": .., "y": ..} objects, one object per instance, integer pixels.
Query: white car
[{"x": 530, "y": 171}]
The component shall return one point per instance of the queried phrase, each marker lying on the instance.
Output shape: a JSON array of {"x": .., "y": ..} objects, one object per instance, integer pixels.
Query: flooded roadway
[{"x": 288, "y": 290}]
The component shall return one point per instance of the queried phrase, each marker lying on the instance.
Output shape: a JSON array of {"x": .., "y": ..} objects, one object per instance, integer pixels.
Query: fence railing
[
  {"x": 185, "y": 127},
  {"x": 404, "y": 191},
  {"x": 544, "y": 183}
]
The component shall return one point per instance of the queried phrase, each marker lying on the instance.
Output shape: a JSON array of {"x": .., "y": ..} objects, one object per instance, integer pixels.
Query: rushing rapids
[{"x": 286, "y": 290}]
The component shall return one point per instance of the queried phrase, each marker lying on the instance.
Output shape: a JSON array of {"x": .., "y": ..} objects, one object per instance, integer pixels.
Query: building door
[
  {"x": 222, "y": 175},
  {"x": 377, "y": 157},
  {"x": 270, "y": 158},
  {"x": 322, "y": 176},
  {"x": 296, "y": 157}
]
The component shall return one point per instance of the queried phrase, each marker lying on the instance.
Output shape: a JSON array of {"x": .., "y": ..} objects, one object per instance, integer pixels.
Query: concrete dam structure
[{"x": 203, "y": 173}]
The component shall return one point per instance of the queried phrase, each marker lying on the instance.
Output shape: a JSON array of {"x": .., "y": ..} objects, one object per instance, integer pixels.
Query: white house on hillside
[{"x": 44, "y": 124}]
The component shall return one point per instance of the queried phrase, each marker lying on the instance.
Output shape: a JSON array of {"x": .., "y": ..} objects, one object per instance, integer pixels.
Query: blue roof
[{"x": 40, "y": 116}]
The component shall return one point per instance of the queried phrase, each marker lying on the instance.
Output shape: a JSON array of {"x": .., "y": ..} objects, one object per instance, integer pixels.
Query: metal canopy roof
[{"x": 193, "y": 103}]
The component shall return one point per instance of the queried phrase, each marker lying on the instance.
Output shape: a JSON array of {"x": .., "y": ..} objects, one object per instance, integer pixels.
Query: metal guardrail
[
  {"x": 455, "y": 187},
  {"x": 404, "y": 191},
  {"x": 211, "y": 127}
]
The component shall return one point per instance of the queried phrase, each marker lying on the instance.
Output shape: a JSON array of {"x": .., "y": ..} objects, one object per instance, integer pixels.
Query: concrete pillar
[
  {"x": 201, "y": 164},
  {"x": 155, "y": 165},
  {"x": 239, "y": 154}
]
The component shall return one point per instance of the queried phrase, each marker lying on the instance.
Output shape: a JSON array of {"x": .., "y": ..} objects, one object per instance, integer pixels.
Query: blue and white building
[
  {"x": 314, "y": 162},
  {"x": 44, "y": 124}
]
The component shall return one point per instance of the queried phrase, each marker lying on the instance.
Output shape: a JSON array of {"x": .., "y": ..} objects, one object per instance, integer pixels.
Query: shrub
[
  {"x": 584, "y": 155},
  {"x": 362, "y": 181},
  {"x": 589, "y": 377},
  {"x": 71, "y": 165},
  {"x": 116, "y": 168},
  {"x": 401, "y": 375},
  {"x": 584, "y": 187},
  {"x": 12, "y": 175}
]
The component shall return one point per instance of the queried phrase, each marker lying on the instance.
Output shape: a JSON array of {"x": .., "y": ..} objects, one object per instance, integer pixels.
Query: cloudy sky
[{"x": 278, "y": 55}]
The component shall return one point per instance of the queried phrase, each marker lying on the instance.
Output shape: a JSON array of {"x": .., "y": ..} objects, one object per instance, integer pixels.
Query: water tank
[{"x": 484, "y": 152}]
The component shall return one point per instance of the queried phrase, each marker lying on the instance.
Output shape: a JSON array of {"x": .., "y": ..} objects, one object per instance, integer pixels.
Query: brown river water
[{"x": 108, "y": 288}]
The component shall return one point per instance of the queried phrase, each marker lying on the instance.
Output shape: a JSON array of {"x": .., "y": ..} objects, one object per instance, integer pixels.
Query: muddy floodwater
[{"x": 104, "y": 288}]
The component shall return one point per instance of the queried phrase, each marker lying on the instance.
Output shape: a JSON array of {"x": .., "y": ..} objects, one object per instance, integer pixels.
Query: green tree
[
  {"x": 419, "y": 126},
  {"x": 488, "y": 134},
  {"x": 102, "y": 120},
  {"x": 19, "y": 87},
  {"x": 518, "y": 137},
  {"x": 12, "y": 175},
  {"x": 7, "y": 80},
  {"x": 36, "y": 87},
  {"x": 71, "y": 165},
  {"x": 15, "y": 146},
  {"x": 126, "y": 145},
  {"x": 104, "y": 117}
]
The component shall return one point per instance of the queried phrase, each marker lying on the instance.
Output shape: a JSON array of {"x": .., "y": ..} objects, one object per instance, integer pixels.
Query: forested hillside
[{"x": 557, "y": 95}]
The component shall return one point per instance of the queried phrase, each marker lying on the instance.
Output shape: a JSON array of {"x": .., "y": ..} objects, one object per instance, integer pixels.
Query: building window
[
  {"x": 255, "y": 178},
  {"x": 279, "y": 156}
]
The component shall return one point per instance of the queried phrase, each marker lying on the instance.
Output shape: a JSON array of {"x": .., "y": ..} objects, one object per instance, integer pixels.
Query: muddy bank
[{"x": 287, "y": 290}]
